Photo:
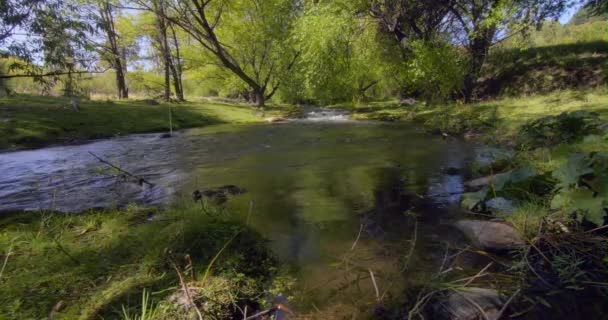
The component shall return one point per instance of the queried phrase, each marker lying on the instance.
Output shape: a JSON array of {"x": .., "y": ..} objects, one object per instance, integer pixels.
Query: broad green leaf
[
  {"x": 472, "y": 199},
  {"x": 592, "y": 207},
  {"x": 570, "y": 172}
]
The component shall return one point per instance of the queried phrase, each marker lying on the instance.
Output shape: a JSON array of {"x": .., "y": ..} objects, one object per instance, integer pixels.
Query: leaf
[
  {"x": 571, "y": 171},
  {"x": 471, "y": 199},
  {"x": 591, "y": 206}
]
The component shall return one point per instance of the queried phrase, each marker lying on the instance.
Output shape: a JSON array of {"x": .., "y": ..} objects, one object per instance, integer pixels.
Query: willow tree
[
  {"x": 342, "y": 55},
  {"x": 245, "y": 37}
]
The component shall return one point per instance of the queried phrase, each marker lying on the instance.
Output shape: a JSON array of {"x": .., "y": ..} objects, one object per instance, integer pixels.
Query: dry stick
[
  {"x": 357, "y": 239},
  {"x": 475, "y": 304},
  {"x": 261, "y": 313},
  {"x": 187, "y": 292},
  {"x": 412, "y": 247},
  {"x": 371, "y": 273},
  {"x": 506, "y": 305},
  {"x": 597, "y": 229},
  {"x": 8, "y": 254},
  {"x": 66, "y": 252},
  {"x": 478, "y": 275},
  {"x": 140, "y": 179}
]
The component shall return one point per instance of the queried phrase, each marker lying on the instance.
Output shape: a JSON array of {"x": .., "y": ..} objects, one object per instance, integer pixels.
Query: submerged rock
[
  {"x": 468, "y": 304},
  {"x": 491, "y": 235}
]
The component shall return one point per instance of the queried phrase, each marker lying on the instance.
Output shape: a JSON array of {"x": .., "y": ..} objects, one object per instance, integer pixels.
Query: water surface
[{"x": 313, "y": 186}]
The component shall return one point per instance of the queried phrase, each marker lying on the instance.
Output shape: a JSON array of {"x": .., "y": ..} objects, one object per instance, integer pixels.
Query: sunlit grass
[
  {"x": 94, "y": 263},
  {"x": 30, "y": 121}
]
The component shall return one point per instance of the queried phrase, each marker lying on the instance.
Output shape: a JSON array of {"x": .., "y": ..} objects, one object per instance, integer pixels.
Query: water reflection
[{"x": 312, "y": 187}]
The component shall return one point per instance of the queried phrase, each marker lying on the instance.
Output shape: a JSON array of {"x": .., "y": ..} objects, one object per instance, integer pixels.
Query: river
[{"x": 331, "y": 195}]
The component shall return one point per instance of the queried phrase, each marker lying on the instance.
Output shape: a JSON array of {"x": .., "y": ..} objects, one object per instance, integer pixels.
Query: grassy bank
[
  {"x": 499, "y": 119},
  {"x": 98, "y": 264},
  {"x": 28, "y": 121}
]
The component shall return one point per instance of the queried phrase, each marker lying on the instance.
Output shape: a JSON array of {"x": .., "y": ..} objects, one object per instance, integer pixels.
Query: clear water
[{"x": 314, "y": 187}]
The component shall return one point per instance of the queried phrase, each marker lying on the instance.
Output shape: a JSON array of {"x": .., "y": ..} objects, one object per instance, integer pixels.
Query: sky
[{"x": 566, "y": 16}]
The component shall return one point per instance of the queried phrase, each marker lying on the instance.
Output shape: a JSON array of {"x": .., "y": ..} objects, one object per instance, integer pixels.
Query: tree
[
  {"x": 243, "y": 36},
  {"x": 42, "y": 32},
  {"x": 111, "y": 51},
  {"x": 482, "y": 23},
  {"x": 343, "y": 57},
  {"x": 473, "y": 24}
]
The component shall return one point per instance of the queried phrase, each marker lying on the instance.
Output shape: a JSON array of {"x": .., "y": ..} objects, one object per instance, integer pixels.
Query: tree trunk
[
  {"x": 115, "y": 59},
  {"x": 164, "y": 48},
  {"x": 121, "y": 84},
  {"x": 177, "y": 67},
  {"x": 478, "y": 48},
  {"x": 260, "y": 99}
]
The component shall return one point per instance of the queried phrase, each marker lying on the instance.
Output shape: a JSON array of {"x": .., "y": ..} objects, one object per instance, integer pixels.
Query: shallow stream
[{"x": 331, "y": 195}]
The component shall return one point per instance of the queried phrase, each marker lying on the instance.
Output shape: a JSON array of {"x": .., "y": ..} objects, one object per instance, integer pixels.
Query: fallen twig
[
  {"x": 62, "y": 249},
  {"x": 357, "y": 239},
  {"x": 371, "y": 273},
  {"x": 261, "y": 313},
  {"x": 506, "y": 305},
  {"x": 140, "y": 180},
  {"x": 187, "y": 292},
  {"x": 8, "y": 254},
  {"x": 412, "y": 247}
]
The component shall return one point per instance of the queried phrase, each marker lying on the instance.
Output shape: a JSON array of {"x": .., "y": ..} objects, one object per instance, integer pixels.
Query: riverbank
[
  {"x": 501, "y": 118},
  {"x": 543, "y": 183},
  {"x": 30, "y": 122}
]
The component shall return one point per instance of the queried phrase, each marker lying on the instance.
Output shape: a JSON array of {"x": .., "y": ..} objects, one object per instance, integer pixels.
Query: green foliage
[
  {"x": 436, "y": 70},
  {"x": 509, "y": 183},
  {"x": 343, "y": 57},
  {"x": 582, "y": 187},
  {"x": 565, "y": 127}
]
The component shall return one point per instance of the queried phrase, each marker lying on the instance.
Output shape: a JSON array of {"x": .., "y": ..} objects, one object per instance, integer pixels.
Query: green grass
[
  {"x": 97, "y": 263},
  {"x": 544, "y": 69},
  {"x": 502, "y": 118},
  {"x": 29, "y": 121}
]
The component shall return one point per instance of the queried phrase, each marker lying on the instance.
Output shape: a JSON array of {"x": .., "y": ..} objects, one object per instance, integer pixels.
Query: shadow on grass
[
  {"x": 97, "y": 262},
  {"x": 545, "y": 69}
]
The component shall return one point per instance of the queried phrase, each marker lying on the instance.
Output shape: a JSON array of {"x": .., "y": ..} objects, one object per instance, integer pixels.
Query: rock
[
  {"x": 165, "y": 135},
  {"x": 491, "y": 235},
  {"x": 500, "y": 205},
  {"x": 276, "y": 119},
  {"x": 466, "y": 304},
  {"x": 407, "y": 102}
]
